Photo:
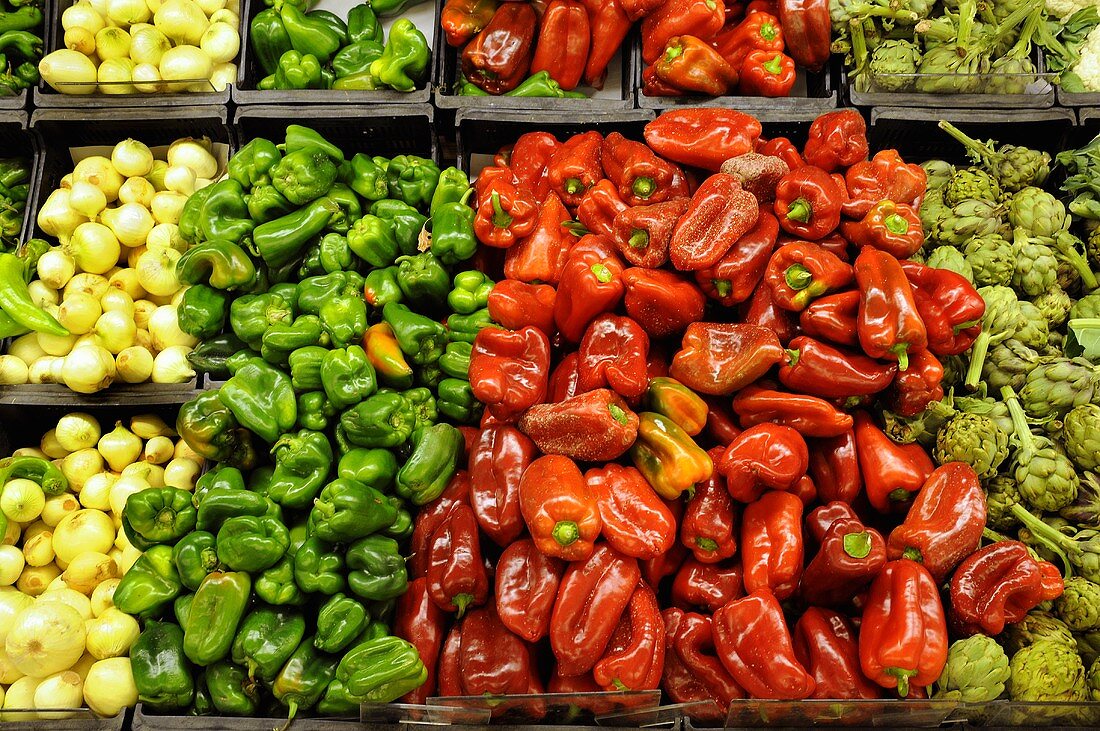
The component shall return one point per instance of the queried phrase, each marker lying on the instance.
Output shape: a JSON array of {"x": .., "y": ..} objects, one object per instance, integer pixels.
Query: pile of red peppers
[{"x": 678, "y": 482}]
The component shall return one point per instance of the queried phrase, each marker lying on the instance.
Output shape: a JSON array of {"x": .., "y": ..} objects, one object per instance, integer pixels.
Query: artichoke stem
[
  {"x": 977, "y": 360},
  {"x": 1019, "y": 420}
]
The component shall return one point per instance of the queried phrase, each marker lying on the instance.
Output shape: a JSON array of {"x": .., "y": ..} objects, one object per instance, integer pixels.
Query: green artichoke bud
[
  {"x": 954, "y": 370},
  {"x": 976, "y": 671},
  {"x": 1080, "y": 550},
  {"x": 1047, "y": 671},
  {"x": 971, "y": 184},
  {"x": 1037, "y": 212},
  {"x": 1044, "y": 473},
  {"x": 1001, "y": 320},
  {"x": 920, "y": 428},
  {"x": 1081, "y": 436},
  {"x": 975, "y": 440},
  {"x": 1055, "y": 305},
  {"x": 1037, "y": 626},
  {"x": 1035, "y": 332},
  {"x": 1092, "y": 246},
  {"x": 892, "y": 65},
  {"x": 1036, "y": 267},
  {"x": 1086, "y": 308},
  {"x": 1079, "y": 605},
  {"x": 1014, "y": 167},
  {"x": 948, "y": 257},
  {"x": 992, "y": 258},
  {"x": 1057, "y": 384},
  {"x": 1088, "y": 646},
  {"x": 944, "y": 71},
  {"x": 1001, "y": 493},
  {"x": 938, "y": 172},
  {"x": 987, "y": 407},
  {"x": 1092, "y": 681},
  {"x": 1008, "y": 364},
  {"x": 932, "y": 210},
  {"x": 1085, "y": 510},
  {"x": 967, "y": 219}
]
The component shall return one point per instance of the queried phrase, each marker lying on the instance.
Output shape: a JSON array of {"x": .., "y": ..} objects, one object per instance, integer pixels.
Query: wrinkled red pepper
[
  {"x": 636, "y": 522},
  {"x": 461, "y": 20},
  {"x": 662, "y": 302},
  {"x": 610, "y": 24},
  {"x": 885, "y": 177},
  {"x": 564, "y": 39},
  {"x": 506, "y": 212},
  {"x": 918, "y": 386},
  {"x": 430, "y": 517},
  {"x": 708, "y": 586},
  {"x": 808, "y": 415},
  {"x": 599, "y": 207},
  {"x": 720, "y": 358},
  {"x": 765, "y": 456},
  {"x": 563, "y": 380},
  {"x": 837, "y": 140},
  {"x": 594, "y": 426},
  {"x": 456, "y": 575},
  {"x": 733, "y": 278},
  {"x": 767, "y": 73},
  {"x": 721, "y": 426},
  {"x": 833, "y": 318},
  {"x": 999, "y": 585},
  {"x": 481, "y": 657},
  {"x": 515, "y": 305},
  {"x": 635, "y": 656},
  {"x": 889, "y": 324},
  {"x": 782, "y": 148},
  {"x": 758, "y": 31},
  {"x": 703, "y": 137},
  {"x": 541, "y": 256},
  {"x": 822, "y": 370},
  {"x": 809, "y": 31},
  {"x": 693, "y": 66},
  {"x": 807, "y": 203},
  {"x": 509, "y": 370},
  {"x": 700, "y": 18},
  {"x": 891, "y": 472},
  {"x": 613, "y": 354},
  {"x": 850, "y": 557},
  {"x": 642, "y": 233},
  {"x": 590, "y": 285},
  {"x": 720, "y": 213},
  {"x": 576, "y": 167},
  {"x": 762, "y": 310},
  {"x": 558, "y": 508},
  {"x": 420, "y": 622},
  {"x": 639, "y": 175},
  {"x": 710, "y": 519},
  {"x": 825, "y": 643},
  {"x": 800, "y": 272},
  {"x": 526, "y": 586},
  {"x": 948, "y": 305},
  {"x": 529, "y": 160},
  {"x": 693, "y": 672},
  {"x": 498, "y": 57},
  {"x": 497, "y": 462},
  {"x": 771, "y": 544},
  {"x": 834, "y": 466}
]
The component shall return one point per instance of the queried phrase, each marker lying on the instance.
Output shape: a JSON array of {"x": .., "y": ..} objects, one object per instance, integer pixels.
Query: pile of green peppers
[
  {"x": 300, "y": 48},
  {"x": 14, "y": 189},
  {"x": 20, "y": 44}
]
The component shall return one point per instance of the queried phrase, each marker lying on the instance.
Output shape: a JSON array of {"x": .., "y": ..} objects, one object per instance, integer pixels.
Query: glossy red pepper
[
  {"x": 720, "y": 213},
  {"x": 638, "y": 9},
  {"x": 822, "y": 370},
  {"x": 635, "y": 656},
  {"x": 610, "y": 24},
  {"x": 771, "y": 544},
  {"x": 529, "y": 160},
  {"x": 708, "y": 586},
  {"x": 809, "y": 29},
  {"x": 888, "y": 226},
  {"x": 834, "y": 466},
  {"x": 563, "y": 379},
  {"x": 703, "y": 137},
  {"x": 758, "y": 31},
  {"x": 836, "y": 140},
  {"x": 885, "y": 177},
  {"x": 506, "y": 212},
  {"x": 700, "y": 18},
  {"x": 430, "y": 517},
  {"x": 558, "y": 508},
  {"x": 948, "y": 305},
  {"x": 576, "y": 167},
  {"x": 656, "y": 570},
  {"x": 663, "y": 303},
  {"x": 709, "y": 526},
  {"x": 889, "y": 324},
  {"x": 497, "y": 462},
  {"x": 509, "y": 370},
  {"x": 591, "y": 284},
  {"x": 720, "y": 358},
  {"x": 763, "y": 457},
  {"x": 637, "y": 173},
  {"x": 693, "y": 671},
  {"x": 613, "y": 354},
  {"x": 808, "y": 415},
  {"x": 763, "y": 310},
  {"x": 419, "y": 621},
  {"x": 461, "y": 20},
  {"x": 822, "y": 518},
  {"x": 767, "y": 73},
  {"x": 692, "y": 65},
  {"x": 599, "y": 207},
  {"x": 526, "y": 586},
  {"x": 515, "y": 305},
  {"x": 999, "y": 585},
  {"x": 733, "y": 278},
  {"x": 825, "y": 643},
  {"x": 833, "y": 318},
  {"x": 642, "y": 233},
  {"x": 498, "y": 57},
  {"x": 481, "y": 657},
  {"x": 564, "y": 40},
  {"x": 807, "y": 203},
  {"x": 456, "y": 575},
  {"x": 918, "y": 386},
  {"x": 541, "y": 255},
  {"x": 636, "y": 522},
  {"x": 592, "y": 426},
  {"x": 721, "y": 426},
  {"x": 800, "y": 272},
  {"x": 782, "y": 148},
  {"x": 891, "y": 472},
  {"x": 850, "y": 557}
]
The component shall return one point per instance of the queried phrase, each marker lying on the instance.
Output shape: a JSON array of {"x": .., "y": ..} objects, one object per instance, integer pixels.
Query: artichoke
[
  {"x": 1067, "y": 248},
  {"x": 1047, "y": 671},
  {"x": 1092, "y": 246},
  {"x": 966, "y": 219},
  {"x": 1081, "y": 551},
  {"x": 1057, "y": 384},
  {"x": 1045, "y": 475},
  {"x": 1008, "y": 364},
  {"x": 1001, "y": 493},
  {"x": 893, "y": 64},
  {"x": 1055, "y": 305},
  {"x": 938, "y": 172},
  {"x": 1085, "y": 510},
  {"x": 1013, "y": 72},
  {"x": 971, "y": 184},
  {"x": 1081, "y": 436},
  {"x": 976, "y": 671},
  {"x": 1086, "y": 308},
  {"x": 1035, "y": 332},
  {"x": 948, "y": 257},
  {"x": 975, "y": 440},
  {"x": 1037, "y": 626},
  {"x": 1037, "y": 212},
  {"x": 992, "y": 259},
  {"x": 1001, "y": 320},
  {"x": 1079, "y": 605},
  {"x": 1088, "y": 646},
  {"x": 1036, "y": 266},
  {"x": 1092, "y": 681},
  {"x": 932, "y": 210},
  {"x": 944, "y": 71},
  {"x": 954, "y": 369},
  {"x": 1014, "y": 167},
  {"x": 920, "y": 428}
]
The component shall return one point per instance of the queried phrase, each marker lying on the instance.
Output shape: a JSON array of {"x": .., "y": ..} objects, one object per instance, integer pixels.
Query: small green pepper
[
  {"x": 377, "y": 568},
  {"x": 161, "y": 673},
  {"x": 363, "y": 24},
  {"x": 344, "y": 319},
  {"x": 150, "y": 584},
  {"x": 356, "y": 58},
  {"x": 404, "y": 62},
  {"x": 302, "y": 462},
  {"x": 423, "y": 406},
  {"x": 420, "y": 338},
  {"x": 466, "y": 327},
  {"x": 220, "y": 504},
  {"x": 266, "y": 640},
  {"x": 411, "y": 179},
  {"x": 220, "y": 263},
  {"x": 382, "y": 420},
  {"x": 299, "y": 137},
  {"x": 453, "y": 187},
  {"x": 202, "y": 311},
  {"x": 215, "y": 612},
  {"x": 366, "y": 177},
  {"x": 232, "y": 692},
  {"x": 250, "y": 543},
  {"x": 453, "y": 237},
  {"x": 310, "y": 34},
  {"x": 455, "y": 361},
  {"x": 251, "y": 315},
  {"x": 314, "y": 292},
  {"x": 380, "y": 670},
  {"x": 282, "y": 338},
  {"x": 195, "y": 556},
  {"x": 266, "y": 204},
  {"x": 335, "y": 254},
  {"x": 159, "y": 515},
  {"x": 305, "y": 368},
  {"x": 339, "y": 622},
  {"x": 346, "y": 510},
  {"x": 276, "y": 585},
  {"x": 423, "y": 280},
  {"x": 372, "y": 239},
  {"x": 347, "y": 376},
  {"x": 252, "y": 164},
  {"x": 408, "y": 223},
  {"x": 432, "y": 464},
  {"x": 304, "y": 175},
  {"x": 304, "y": 677},
  {"x": 471, "y": 292},
  {"x": 375, "y": 468},
  {"x": 314, "y": 411},
  {"x": 380, "y": 287},
  {"x": 260, "y": 397},
  {"x": 456, "y": 400},
  {"x": 318, "y": 568}
]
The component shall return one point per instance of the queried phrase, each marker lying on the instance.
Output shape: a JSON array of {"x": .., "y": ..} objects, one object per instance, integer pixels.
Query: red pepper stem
[
  {"x": 706, "y": 544},
  {"x": 774, "y": 66},
  {"x": 800, "y": 210},
  {"x": 857, "y": 545},
  {"x": 896, "y": 224},
  {"x": 899, "y": 495},
  {"x": 913, "y": 554},
  {"x": 903, "y": 679},
  {"x": 722, "y": 287},
  {"x": 501, "y": 219},
  {"x": 643, "y": 187},
  {"x": 673, "y": 52},
  {"x": 619, "y": 685},
  {"x": 603, "y": 274},
  {"x": 565, "y": 532},
  {"x": 639, "y": 238},
  {"x": 798, "y": 277},
  {"x": 768, "y": 31}
]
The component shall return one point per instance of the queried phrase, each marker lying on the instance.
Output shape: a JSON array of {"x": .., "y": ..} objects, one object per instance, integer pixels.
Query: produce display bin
[
  {"x": 81, "y": 720},
  {"x": 617, "y": 94},
  {"x": 46, "y": 96},
  {"x": 19, "y": 101},
  {"x": 17, "y": 140},
  {"x": 245, "y": 92}
]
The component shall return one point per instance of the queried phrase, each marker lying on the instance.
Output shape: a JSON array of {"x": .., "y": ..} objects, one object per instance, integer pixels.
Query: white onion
[
  {"x": 109, "y": 687},
  {"x": 79, "y": 466},
  {"x": 94, "y": 247},
  {"x": 167, "y": 206},
  {"x": 13, "y": 371},
  {"x": 137, "y": 190},
  {"x": 88, "y": 369},
  {"x": 84, "y": 530},
  {"x": 165, "y": 236},
  {"x": 181, "y": 473},
  {"x": 194, "y": 154},
  {"x": 156, "y": 272},
  {"x": 78, "y": 313},
  {"x": 78, "y": 430},
  {"x": 47, "y": 638},
  {"x": 56, "y": 268},
  {"x": 86, "y": 199},
  {"x": 56, "y": 345},
  {"x": 82, "y": 15},
  {"x": 181, "y": 20},
  {"x": 147, "y": 46},
  {"x": 116, "y": 76},
  {"x": 128, "y": 12},
  {"x": 69, "y": 71},
  {"x": 60, "y": 691},
  {"x": 115, "y": 331},
  {"x": 99, "y": 171},
  {"x": 220, "y": 43},
  {"x": 57, "y": 218},
  {"x": 26, "y": 349},
  {"x": 42, "y": 295},
  {"x": 134, "y": 365},
  {"x": 117, "y": 300},
  {"x": 120, "y": 447},
  {"x": 165, "y": 329},
  {"x": 147, "y": 80},
  {"x": 171, "y": 365},
  {"x": 93, "y": 284},
  {"x": 158, "y": 450},
  {"x": 130, "y": 223},
  {"x": 96, "y": 493},
  {"x": 112, "y": 42}
]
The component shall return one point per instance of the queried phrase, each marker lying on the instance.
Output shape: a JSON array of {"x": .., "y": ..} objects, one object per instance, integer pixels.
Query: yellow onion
[
  {"x": 120, "y": 447},
  {"x": 12, "y": 564},
  {"x": 86, "y": 199},
  {"x": 223, "y": 75},
  {"x": 58, "y": 506},
  {"x": 184, "y": 451},
  {"x": 165, "y": 329},
  {"x": 88, "y": 283},
  {"x": 78, "y": 313},
  {"x": 13, "y": 371},
  {"x": 134, "y": 364},
  {"x": 80, "y": 40},
  {"x": 165, "y": 236},
  {"x": 167, "y": 206},
  {"x": 112, "y": 42},
  {"x": 88, "y": 369},
  {"x": 51, "y": 447},
  {"x": 116, "y": 300},
  {"x": 186, "y": 63},
  {"x": 84, "y": 530},
  {"x": 82, "y": 15},
  {"x": 181, "y": 473},
  {"x": 109, "y": 687},
  {"x": 221, "y": 42},
  {"x": 157, "y": 272},
  {"x": 79, "y": 466},
  {"x": 181, "y": 20},
  {"x": 38, "y": 550},
  {"x": 21, "y": 695},
  {"x": 35, "y": 579},
  {"x": 180, "y": 179},
  {"x": 77, "y": 430},
  {"x": 69, "y": 72},
  {"x": 128, "y": 12},
  {"x": 111, "y": 634},
  {"x": 123, "y": 489},
  {"x": 56, "y": 344},
  {"x": 60, "y": 691},
  {"x": 147, "y": 80},
  {"x": 130, "y": 223},
  {"x": 151, "y": 473},
  {"x": 57, "y": 218},
  {"x": 171, "y": 365},
  {"x": 26, "y": 348},
  {"x": 94, "y": 247},
  {"x": 147, "y": 45},
  {"x": 115, "y": 331},
  {"x": 56, "y": 268},
  {"x": 137, "y": 190},
  {"x": 100, "y": 172},
  {"x": 12, "y": 602},
  {"x": 103, "y": 596},
  {"x": 59, "y": 591},
  {"x": 46, "y": 369},
  {"x": 126, "y": 280},
  {"x": 194, "y": 154},
  {"x": 148, "y": 426},
  {"x": 158, "y": 450},
  {"x": 96, "y": 492},
  {"x": 87, "y": 570},
  {"x": 47, "y": 637},
  {"x": 116, "y": 76},
  {"x": 22, "y": 500}
]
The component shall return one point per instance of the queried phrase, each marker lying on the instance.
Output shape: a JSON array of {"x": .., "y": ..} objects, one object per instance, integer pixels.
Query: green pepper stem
[
  {"x": 903, "y": 679},
  {"x": 799, "y": 210},
  {"x": 639, "y": 238},
  {"x": 706, "y": 544},
  {"x": 566, "y": 532},
  {"x": 899, "y": 495},
  {"x": 896, "y": 223},
  {"x": 617, "y": 414},
  {"x": 798, "y": 277},
  {"x": 901, "y": 350},
  {"x": 857, "y": 545},
  {"x": 501, "y": 219},
  {"x": 643, "y": 187},
  {"x": 573, "y": 186},
  {"x": 774, "y": 66},
  {"x": 793, "y": 356},
  {"x": 603, "y": 274},
  {"x": 913, "y": 554},
  {"x": 461, "y": 601},
  {"x": 722, "y": 287}
]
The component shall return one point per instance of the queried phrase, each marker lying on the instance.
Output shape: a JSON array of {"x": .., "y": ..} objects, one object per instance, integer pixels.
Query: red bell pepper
[
  {"x": 720, "y": 358},
  {"x": 708, "y": 586},
  {"x": 515, "y": 305},
  {"x": 822, "y": 370},
  {"x": 702, "y": 137},
  {"x": 918, "y": 386},
  {"x": 654, "y": 85},
  {"x": 558, "y": 508},
  {"x": 885, "y": 177},
  {"x": 767, "y": 73},
  {"x": 656, "y": 570},
  {"x": 825, "y": 643},
  {"x": 771, "y": 544},
  {"x": 754, "y": 644},
  {"x": 461, "y": 20},
  {"x": 822, "y": 518},
  {"x": 497, "y": 462},
  {"x": 807, "y": 203},
  {"x": 456, "y": 574},
  {"x": 583, "y": 683},
  {"x": 613, "y": 354},
  {"x": 526, "y": 586},
  {"x": 809, "y": 31},
  {"x": 720, "y": 423},
  {"x": 509, "y": 370},
  {"x": 948, "y": 305},
  {"x": 889, "y": 324},
  {"x": 834, "y": 466},
  {"x": 541, "y": 255},
  {"x": 635, "y": 521},
  {"x": 805, "y": 490},
  {"x": 700, "y": 18},
  {"x": 999, "y": 585},
  {"x": 693, "y": 671},
  {"x": 782, "y": 148},
  {"x": 564, "y": 40},
  {"x": 639, "y": 175},
  {"x": 529, "y": 160},
  {"x": 481, "y": 657},
  {"x": 420, "y": 622},
  {"x": 762, "y": 310},
  {"x": 663, "y": 303},
  {"x": 638, "y": 9},
  {"x": 598, "y": 208},
  {"x": 800, "y": 272},
  {"x": 635, "y": 656},
  {"x": 903, "y": 634},
  {"x": 430, "y": 517},
  {"x": 837, "y": 139},
  {"x": 758, "y": 174},
  {"x": 594, "y": 426},
  {"x": 576, "y": 167},
  {"x": 563, "y": 379},
  {"x": 891, "y": 472},
  {"x": 498, "y": 57},
  {"x": 733, "y": 278},
  {"x": 850, "y": 557},
  {"x": 591, "y": 599},
  {"x": 833, "y": 318},
  {"x": 758, "y": 31},
  {"x": 891, "y": 227},
  {"x": 642, "y": 233},
  {"x": 808, "y": 415},
  {"x": 693, "y": 66},
  {"x": 945, "y": 522},
  {"x": 506, "y": 213},
  {"x": 590, "y": 285},
  {"x": 669, "y": 397},
  {"x": 710, "y": 519},
  {"x": 766, "y": 456},
  {"x": 610, "y": 24}
]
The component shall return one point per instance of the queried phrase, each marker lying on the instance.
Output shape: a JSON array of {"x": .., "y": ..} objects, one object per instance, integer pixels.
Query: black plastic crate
[
  {"x": 400, "y": 129},
  {"x": 813, "y": 93},
  {"x": 17, "y": 141},
  {"x": 19, "y": 101},
  {"x": 1082, "y": 99},
  {"x": 250, "y": 72},
  {"x": 46, "y": 96},
  {"x": 450, "y": 66}
]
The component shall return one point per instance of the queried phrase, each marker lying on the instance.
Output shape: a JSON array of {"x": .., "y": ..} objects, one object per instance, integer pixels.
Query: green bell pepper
[
  {"x": 456, "y": 400},
  {"x": 429, "y": 375},
  {"x": 314, "y": 292},
  {"x": 318, "y": 568},
  {"x": 380, "y": 287},
  {"x": 356, "y": 58},
  {"x": 219, "y": 478},
  {"x": 252, "y": 164},
  {"x": 304, "y": 175},
  {"x": 189, "y": 220},
  {"x": 298, "y": 71},
  {"x": 404, "y": 61},
  {"x": 202, "y": 311},
  {"x": 269, "y": 40},
  {"x": 266, "y": 204},
  {"x": 333, "y": 21},
  {"x": 220, "y": 263},
  {"x": 314, "y": 411},
  {"x": 386, "y": 8},
  {"x": 210, "y": 355},
  {"x": 266, "y": 639},
  {"x": 224, "y": 213},
  {"x": 252, "y": 544},
  {"x": 181, "y": 608},
  {"x": 276, "y": 585},
  {"x": 305, "y": 368},
  {"x": 260, "y": 397},
  {"x": 402, "y": 526},
  {"x": 408, "y": 223},
  {"x": 363, "y": 24},
  {"x": 453, "y": 187},
  {"x": 310, "y": 34},
  {"x": 471, "y": 292},
  {"x": 381, "y": 670},
  {"x": 365, "y": 177},
  {"x": 351, "y": 209},
  {"x": 232, "y": 692},
  {"x": 339, "y": 622},
  {"x": 150, "y": 584},
  {"x": 361, "y": 81},
  {"x": 302, "y": 462},
  {"x": 347, "y": 510},
  {"x": 299, "y": 137},
  {"x": 347, "y": 376},
  {"x": 465, "y": 328},
  {"x": 377, "y": 568},
  {"x": 335, "y": 254},
  {"x": 195, "y": 556},
  {"x": 283, "y": 338},
  {"x": 433, "y": 462},
  {"x": 216, "y": 610},
  {"x": 203, "y": 704},
  {"x": 421, "y": 338},
  {"x": 310, "y": 265},
  {"x": 410, "y": 178},
  {"x": 344, "y": 319},
  {"x": 159, "y": 515},
  {"x": 455, "y": 361},
  {"x": 373, "y": 240},
  {"x": 209, "y": 428},
  {"x": 543, "y": 85},
  {"x": 382, "y": 420},
  {"x": 251, "y": 315},
  {"x": 463, "y": 87},
  {"x": 423, "y": 280},
  {"x": 374, "y": 468},
  {"x": 453, "y": 237},
  {"x": 304, "y": 677},
  {"x": 423, "y": 406},
  {"x": 161, "y": 673}
]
